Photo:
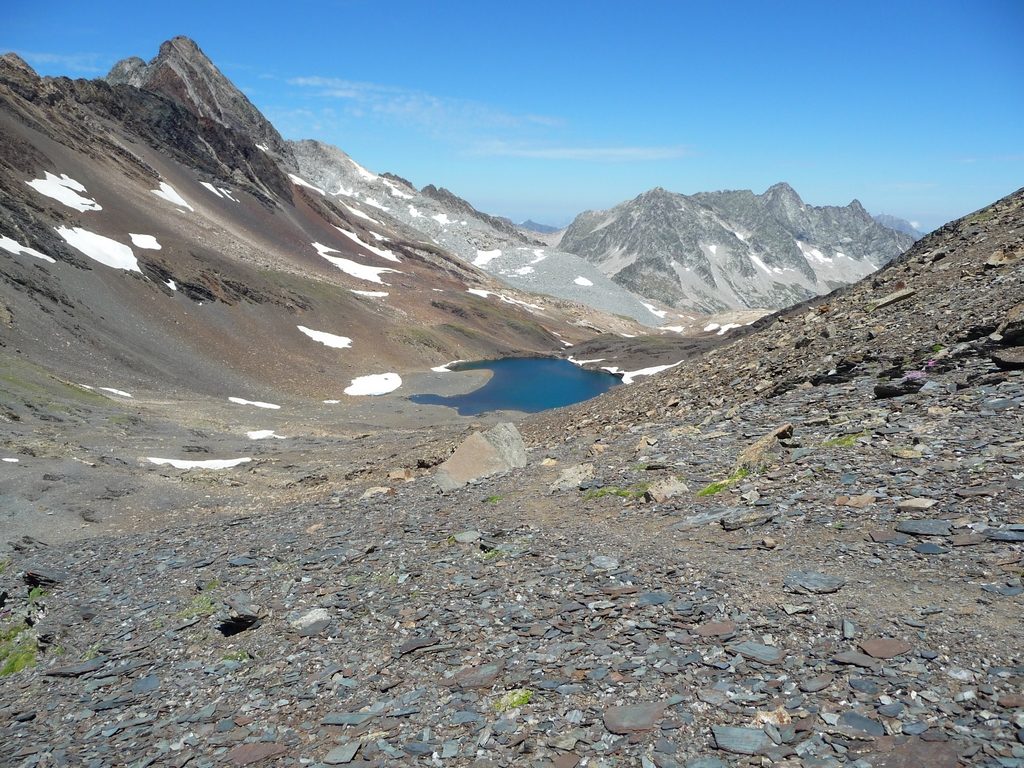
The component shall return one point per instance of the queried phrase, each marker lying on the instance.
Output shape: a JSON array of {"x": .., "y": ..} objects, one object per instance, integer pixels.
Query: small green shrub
[
  {"x": 518, "y": 697},
  {"x": 717, "y": 487}
]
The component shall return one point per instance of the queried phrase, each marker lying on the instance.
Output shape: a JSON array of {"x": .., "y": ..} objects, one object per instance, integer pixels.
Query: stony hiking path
[{"x": 856, "y": 600}]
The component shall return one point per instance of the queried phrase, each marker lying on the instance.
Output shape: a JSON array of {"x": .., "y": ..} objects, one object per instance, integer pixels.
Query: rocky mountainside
[
  {"x": 185, "y": 75},
  {"x": 724, "y": 250},
  {"x": 800, "y": 549},
  {"x": 900, "y": 225},
  {"x": 492, "y": 244}
]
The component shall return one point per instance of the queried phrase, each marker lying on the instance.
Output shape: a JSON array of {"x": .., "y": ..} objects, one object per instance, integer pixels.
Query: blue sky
[{"x": 544, "y": 109}]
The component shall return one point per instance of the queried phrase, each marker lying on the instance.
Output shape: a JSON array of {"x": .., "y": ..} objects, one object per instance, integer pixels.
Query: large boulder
[{"x": 499, "y": 449}]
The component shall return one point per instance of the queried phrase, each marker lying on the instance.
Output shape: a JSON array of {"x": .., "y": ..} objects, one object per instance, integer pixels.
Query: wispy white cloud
[
  {"x": 430, "y": 112},
  {"x": 583, "y": 153},
  {"x": 74, "y": 63}
]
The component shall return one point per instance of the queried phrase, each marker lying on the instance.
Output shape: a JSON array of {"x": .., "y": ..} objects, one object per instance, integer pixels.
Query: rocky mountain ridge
[
  {"x": 714, "y": 251},
  {"x": 489, "y": 243}
]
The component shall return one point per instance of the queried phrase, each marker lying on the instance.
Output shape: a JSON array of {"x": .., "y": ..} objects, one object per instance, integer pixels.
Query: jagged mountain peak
[
  {"x": 182, "y": 72},
  {"x": 14, "y": 61},
  {"x": 716, "y": 251}
]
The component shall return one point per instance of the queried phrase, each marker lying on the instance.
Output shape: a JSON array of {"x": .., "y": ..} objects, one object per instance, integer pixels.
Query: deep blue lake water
[{"x": 524, "y": 384}]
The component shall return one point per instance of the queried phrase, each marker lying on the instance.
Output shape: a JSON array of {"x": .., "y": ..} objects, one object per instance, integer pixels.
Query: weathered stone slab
[
  {"x": 741, "y": 741},
  {"x": 482, "y": 454},
  {"x": 633, "y": 717},
  {"x": 925, "y": 527},
  {"x": 811, "y": 582}
]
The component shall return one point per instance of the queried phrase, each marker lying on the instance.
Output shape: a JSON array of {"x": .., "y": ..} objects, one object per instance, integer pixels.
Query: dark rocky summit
[{"x": 184, "y": 74}]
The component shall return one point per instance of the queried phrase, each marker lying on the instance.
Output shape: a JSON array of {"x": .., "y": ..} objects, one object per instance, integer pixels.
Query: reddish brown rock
[
  {"x": 716, "y": 629},
  {"x": 249, "y": 754},
  {"x": 885, "y": 647}
]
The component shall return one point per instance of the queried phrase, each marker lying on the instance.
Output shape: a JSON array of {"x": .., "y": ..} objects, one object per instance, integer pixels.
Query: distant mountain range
[
  {"x": 715, "y": 251},
  {"x": 533, "y": 226},
  {"x": 900, "y": 225}
]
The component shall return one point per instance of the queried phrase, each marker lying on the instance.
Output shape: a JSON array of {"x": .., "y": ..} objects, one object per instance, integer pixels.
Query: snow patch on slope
[
  {"x": 170, "y": 194},
  {"x": 354, "y": 268},
  {"x": 327, "y": 339},
  {"x": 374, "y": 384},
  {"x": 64, "y": 190},
  {"x": 384, "y": 254},
  {"x": 146, "y": 242},
  {"x": 12, "y": 246},
  {"x": 100, "y": 248}
]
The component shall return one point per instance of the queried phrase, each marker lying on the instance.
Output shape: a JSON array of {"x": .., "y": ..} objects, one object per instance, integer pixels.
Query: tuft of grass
[
  {"x": 494, "y": 498},
  {"x": 36, "y": 594},
  {"x": 846, "y": 441},
  {"x": 201, "y": 605},
  {"x": 237, "y": 656},
  {"x": 517, "y": 697},
  {"x": 17, "y": 649},
  {"x": 717, "y": 487}
]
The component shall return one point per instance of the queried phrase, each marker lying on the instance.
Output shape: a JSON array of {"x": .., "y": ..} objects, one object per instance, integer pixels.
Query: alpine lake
[{"x": 524, "y": 384}]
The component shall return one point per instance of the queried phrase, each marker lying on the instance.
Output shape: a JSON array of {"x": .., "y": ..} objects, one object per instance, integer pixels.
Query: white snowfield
[
  {"x": 12, "y": 246},
  {"x": 446, "y": 368},
  {"x": 583, "y": 281},
  {"x": 11, "y": 460},
  {"x": 327, "y": 339},
  {"x": 397, "y": 191},
  {"x": 64, "y": 190},
  {"x": 146, "y": 242},
  {"x": 371, "y": 294},
  {"x": 360, "y": 214},
  {"x": 263, "y": 434},
  {"x": 654, "y": 310},
  {"x": 722, "y": 329},
  {"x": 172, "y": 285},
  {"x": 483, "y": 258},
  {"x": 629, "y": 376},
  {"x": 222, "y": 192},
  {"x": 170, "y": 194},
  {"x": 581, "y": 363},
  {"x": 384, "y": 254},
  {"x": 100, "y": 248},
  {"x": 354, "y": 268},
  {"x": 205, "y": 464},
  {"x": 441, "y": 218},
  {"x": 118, "y": 392},
  {"x": 507, "y": 299},
  {"x": 257, "y": 403},
  {"x": 303, "y": 183},
  {"x": 374, "y": 384}
]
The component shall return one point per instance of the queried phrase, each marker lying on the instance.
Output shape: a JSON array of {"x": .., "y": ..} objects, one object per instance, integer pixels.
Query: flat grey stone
[
  {"x": 851, "y": 722},
  {"x": 765, "y": 654},
  {"x": 925, "y": 527},
  {"x": 343, "y": 754},
  {"x": 740, "y": 741},
  {"x": 811, "y": 582}
]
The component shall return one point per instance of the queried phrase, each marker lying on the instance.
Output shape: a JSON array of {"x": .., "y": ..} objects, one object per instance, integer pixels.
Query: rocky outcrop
[{"x": 483, "y": 454}]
